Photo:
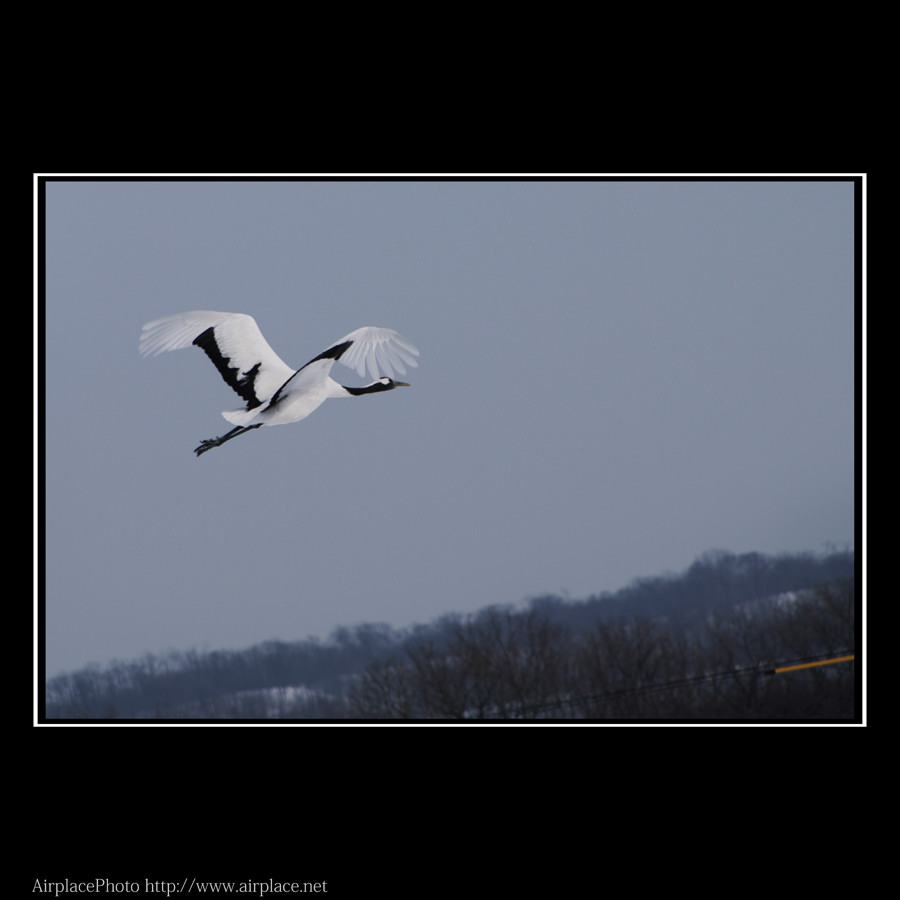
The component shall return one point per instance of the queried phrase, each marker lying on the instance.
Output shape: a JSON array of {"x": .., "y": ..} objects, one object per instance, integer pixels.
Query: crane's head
[{"x": 390, "y": 384}]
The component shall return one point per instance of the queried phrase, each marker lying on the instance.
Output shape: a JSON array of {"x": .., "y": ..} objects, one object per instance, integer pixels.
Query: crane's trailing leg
[{"x": 217, "y": 442}]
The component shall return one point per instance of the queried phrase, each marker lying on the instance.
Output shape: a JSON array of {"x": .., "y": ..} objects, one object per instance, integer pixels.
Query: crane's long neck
[{"x": 372, "y": 388}]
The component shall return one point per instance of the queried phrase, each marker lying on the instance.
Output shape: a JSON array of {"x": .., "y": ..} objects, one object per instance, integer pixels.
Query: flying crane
[{"x": 274, "y": 392}]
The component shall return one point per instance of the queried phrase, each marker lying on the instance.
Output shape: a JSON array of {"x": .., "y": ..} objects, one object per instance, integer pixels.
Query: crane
[{"x": 274, "y": 392}]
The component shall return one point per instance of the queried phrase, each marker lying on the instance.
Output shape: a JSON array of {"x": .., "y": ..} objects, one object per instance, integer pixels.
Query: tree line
[
  {"x": 503, "y": 664},
  {"x": 688, "y": 646}
]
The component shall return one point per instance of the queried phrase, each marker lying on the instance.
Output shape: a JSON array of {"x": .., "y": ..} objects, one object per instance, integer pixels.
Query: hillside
[{"x": 682, "y": 646}]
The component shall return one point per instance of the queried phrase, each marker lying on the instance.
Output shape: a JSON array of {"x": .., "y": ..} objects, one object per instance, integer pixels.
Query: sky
[{"x": 615, "y": 377}]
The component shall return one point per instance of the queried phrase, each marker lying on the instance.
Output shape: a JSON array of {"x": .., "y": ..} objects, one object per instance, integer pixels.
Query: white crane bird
[{"x": 274, "y": 392}]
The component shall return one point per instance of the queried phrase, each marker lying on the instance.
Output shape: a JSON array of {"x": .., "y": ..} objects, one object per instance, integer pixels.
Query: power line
[
  {"x": 821, "y": 662},
  {"x": 789, "y": 665}
]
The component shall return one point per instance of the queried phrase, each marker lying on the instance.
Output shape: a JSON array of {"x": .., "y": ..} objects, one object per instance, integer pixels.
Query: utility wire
[
  {"x": 790, "y": 665},
  {"x": 821, "y": 662}
]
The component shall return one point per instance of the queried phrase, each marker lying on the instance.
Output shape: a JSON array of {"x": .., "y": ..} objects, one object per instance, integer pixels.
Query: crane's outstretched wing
[
  {"x": 382, "y": 349},
  {"x": 232, "y": 341}
]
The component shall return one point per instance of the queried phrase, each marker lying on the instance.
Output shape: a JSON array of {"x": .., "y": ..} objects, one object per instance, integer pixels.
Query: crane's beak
[{"x": 402, "y": 384}]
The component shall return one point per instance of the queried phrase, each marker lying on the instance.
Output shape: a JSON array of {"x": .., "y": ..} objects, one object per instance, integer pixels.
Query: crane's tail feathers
[{"x": 241, "y": 416}]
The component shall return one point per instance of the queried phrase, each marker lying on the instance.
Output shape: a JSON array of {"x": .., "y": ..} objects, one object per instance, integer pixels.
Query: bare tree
[
  {"x": 633, "y": 670},
  {"x": 499, "y": 664}
]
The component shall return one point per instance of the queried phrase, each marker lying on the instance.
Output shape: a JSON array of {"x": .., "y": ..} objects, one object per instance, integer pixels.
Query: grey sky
[{"x": 614, "y": 378}]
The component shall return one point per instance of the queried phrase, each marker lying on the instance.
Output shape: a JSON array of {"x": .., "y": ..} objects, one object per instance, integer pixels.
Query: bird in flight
[{"x": 273, "y": 391}]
